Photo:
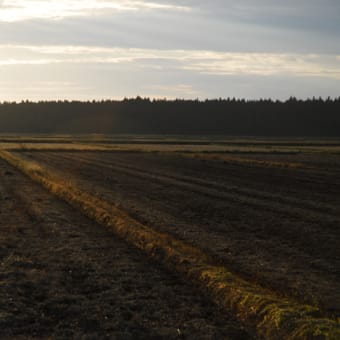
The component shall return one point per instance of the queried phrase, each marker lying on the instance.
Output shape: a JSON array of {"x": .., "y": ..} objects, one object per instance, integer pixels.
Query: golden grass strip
[
  {"x": 16, "y": 146},
  {"x": 244, "y": 160},
  {"x": 272, "y": 316}
]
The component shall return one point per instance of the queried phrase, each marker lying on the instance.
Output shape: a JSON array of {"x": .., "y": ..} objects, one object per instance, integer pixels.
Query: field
[{"x": 150, "y": 237}]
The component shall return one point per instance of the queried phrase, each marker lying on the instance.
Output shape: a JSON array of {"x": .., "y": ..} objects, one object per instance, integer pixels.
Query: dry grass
[
  {"x": 203, "y": 144},
  {"x": 51, "y": 147},
  {"x": 244, "y": 160},
  {"x": 272, "y": 316}
]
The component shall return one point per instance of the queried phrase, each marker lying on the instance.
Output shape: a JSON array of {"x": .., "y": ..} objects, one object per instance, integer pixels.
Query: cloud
[
  {"x": 199, "y": 48},
  {"x": 20, "y": 10},
  {"x": 38, "y": 90},
  {"x": 200, "y": 61},
  {"x": 269, "y": 64},
  {"x": 288, "y": 27}
]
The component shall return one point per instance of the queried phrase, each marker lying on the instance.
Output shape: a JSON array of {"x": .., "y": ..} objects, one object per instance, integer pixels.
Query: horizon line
[{"x": 169, "y": 99}]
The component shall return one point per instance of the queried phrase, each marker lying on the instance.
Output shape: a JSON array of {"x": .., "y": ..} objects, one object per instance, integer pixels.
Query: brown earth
[
  {"x": 64, "y": 276},
  {"x": 275, "y": 225}
]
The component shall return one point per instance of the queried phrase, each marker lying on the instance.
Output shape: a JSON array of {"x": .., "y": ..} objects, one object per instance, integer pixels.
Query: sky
[{"x": 111, "y": 49}]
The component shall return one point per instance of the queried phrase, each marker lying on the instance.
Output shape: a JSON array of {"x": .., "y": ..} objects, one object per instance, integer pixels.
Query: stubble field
[{"x": 266, "y": 212}]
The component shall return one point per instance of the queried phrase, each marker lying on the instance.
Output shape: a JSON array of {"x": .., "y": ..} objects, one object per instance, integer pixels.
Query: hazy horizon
[
  {"x": 168, "y": 99},
  {"x": 110, "y": 49}
]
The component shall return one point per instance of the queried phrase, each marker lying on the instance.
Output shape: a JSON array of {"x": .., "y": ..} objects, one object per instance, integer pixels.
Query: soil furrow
[
  {"x": 289, "y": 255},
  {"x": 107, "y": 175},
  {"x": 64, "y": 276},
  {"x": 283, "y": 202}
]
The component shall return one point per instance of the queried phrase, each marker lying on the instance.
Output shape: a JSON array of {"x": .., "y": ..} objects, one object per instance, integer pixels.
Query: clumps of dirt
[
  {"x": 8, "y": 173},
  {"x": 64, "y": 276},
  {"x": 272, "y": 315}
]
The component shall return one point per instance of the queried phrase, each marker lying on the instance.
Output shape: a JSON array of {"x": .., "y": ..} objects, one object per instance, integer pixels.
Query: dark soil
[
  {"x": 276, "y": 226},
  {"x": 64, "y": 276}
]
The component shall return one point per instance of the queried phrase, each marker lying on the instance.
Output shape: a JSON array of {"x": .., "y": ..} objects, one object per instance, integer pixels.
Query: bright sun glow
[{"x": 18, "y": 10}]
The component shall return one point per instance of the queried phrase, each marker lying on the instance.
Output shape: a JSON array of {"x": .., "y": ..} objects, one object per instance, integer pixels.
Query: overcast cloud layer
[{"x": 72, "y": 49}]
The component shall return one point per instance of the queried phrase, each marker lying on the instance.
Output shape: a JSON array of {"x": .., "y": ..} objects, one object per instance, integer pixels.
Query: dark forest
[{"x": 313, "y": 117}]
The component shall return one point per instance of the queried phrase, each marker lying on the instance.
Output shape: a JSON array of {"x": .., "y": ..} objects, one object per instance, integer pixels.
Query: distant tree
[{"x": 264, "y": 117}]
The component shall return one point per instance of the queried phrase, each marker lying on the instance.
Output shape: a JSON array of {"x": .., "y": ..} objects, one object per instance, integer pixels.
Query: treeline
[{"x": 314, "y": 117}]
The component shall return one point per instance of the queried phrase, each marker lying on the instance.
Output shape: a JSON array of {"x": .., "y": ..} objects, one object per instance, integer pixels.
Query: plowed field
[
  {"x": 63, "y": 276},
  {"x": 272, "y": 219},
  {"x": 278, "y": 226}
]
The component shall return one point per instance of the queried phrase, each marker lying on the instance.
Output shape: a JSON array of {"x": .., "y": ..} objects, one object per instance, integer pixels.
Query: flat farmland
[
  {"x": 267, "y": 212},
  {"x": 64, "y": 276}
]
